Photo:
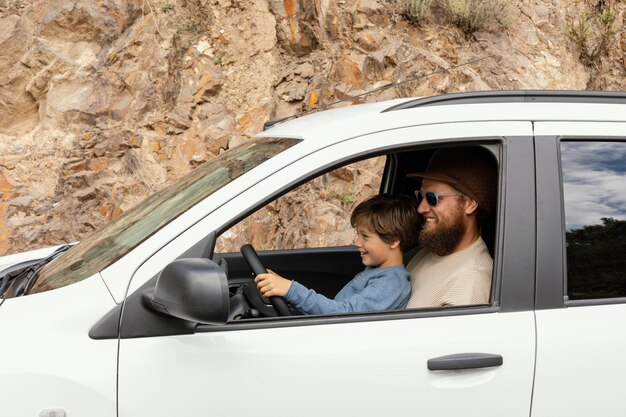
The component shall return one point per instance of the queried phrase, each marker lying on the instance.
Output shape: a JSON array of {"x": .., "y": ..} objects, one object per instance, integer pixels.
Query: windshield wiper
[
  {"x": 19, "y": 282},
  {"x": 6, "y": 280}
]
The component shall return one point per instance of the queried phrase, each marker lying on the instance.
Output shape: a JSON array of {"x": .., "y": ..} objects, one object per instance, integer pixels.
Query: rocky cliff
[{"x": 103, "y": 102}]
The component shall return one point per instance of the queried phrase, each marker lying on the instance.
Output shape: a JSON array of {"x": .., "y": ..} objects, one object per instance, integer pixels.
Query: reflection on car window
[
  {"x": 120, "y": 236},
  {"x": 316, "y": 214},
  {"x": 594, "y": 190}
]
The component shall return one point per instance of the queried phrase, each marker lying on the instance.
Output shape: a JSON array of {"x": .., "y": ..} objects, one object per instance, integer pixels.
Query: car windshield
[{"x": 110, "y": 243}]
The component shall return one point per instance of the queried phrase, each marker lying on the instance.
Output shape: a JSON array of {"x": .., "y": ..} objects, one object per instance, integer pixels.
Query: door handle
[{"x": 464, "y": 361}]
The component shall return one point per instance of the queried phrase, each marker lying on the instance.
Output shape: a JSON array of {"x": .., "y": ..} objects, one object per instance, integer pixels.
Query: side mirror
[{"x": 193, "y": 289}]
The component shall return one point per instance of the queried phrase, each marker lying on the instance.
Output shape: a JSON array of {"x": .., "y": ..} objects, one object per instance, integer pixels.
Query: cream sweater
[{"x": 461, "y": 278}]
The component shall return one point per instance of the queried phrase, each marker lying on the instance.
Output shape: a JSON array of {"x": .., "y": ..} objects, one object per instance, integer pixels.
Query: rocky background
[{"x": 103, "y": 102}]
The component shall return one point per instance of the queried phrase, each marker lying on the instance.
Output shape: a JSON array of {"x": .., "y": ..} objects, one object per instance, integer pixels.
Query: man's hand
[{"x": 272, "y": 284}]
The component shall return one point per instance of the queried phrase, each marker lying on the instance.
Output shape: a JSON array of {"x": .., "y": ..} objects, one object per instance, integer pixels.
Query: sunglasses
[{"x": 432, "y": 198}]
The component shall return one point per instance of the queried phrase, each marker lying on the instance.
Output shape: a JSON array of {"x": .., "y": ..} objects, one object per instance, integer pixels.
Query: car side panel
[
  {"x": 580, "y": 368},
  {"x": 48, "y": 360},
  {"x": 365, "y": 369}
]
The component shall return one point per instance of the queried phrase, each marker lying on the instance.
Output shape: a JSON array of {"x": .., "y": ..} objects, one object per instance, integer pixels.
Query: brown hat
[{"x": 471, "y": 170}]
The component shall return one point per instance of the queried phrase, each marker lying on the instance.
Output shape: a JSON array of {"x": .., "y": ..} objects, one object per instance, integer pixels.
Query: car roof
[{"x": 329, "y": 126}]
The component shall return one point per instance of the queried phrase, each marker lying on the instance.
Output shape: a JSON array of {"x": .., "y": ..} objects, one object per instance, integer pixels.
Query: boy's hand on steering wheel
[{"x": 272, "y": 284}]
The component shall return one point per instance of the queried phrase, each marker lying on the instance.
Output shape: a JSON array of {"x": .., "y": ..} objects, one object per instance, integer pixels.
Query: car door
[
  {"x": 367, "y": 364},
  {"x": 581, "y": 269}
]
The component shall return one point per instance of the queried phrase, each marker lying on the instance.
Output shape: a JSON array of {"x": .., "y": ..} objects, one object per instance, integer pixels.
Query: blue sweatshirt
[{"x": 373, "y": 289}]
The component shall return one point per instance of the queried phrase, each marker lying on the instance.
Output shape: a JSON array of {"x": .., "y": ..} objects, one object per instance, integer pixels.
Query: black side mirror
[{"x": 193, "y": 289}]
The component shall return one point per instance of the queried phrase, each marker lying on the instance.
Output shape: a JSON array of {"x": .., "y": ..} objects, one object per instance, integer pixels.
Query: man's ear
[
  {"x": 394, "y": 244},
  {"x": 471, "y": 205}
]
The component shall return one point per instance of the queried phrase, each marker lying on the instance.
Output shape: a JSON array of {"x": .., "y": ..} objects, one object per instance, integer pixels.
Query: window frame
[
  {"x": 388, "y": 184},
  {"x": 590, "y": 301}
]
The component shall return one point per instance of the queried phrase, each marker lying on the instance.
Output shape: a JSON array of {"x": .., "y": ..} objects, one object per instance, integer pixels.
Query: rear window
[{"x": 594, "y": 192}]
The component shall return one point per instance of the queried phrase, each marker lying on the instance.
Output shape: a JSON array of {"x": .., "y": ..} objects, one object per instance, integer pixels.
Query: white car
[{"x": 89, "y": 332}]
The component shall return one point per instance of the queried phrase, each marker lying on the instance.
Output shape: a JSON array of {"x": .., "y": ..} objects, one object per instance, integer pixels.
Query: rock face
[{"x": 103, "y": 102}]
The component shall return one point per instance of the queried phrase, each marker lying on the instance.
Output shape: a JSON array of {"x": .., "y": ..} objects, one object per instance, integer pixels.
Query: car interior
[{"x": 323, "y": 269}]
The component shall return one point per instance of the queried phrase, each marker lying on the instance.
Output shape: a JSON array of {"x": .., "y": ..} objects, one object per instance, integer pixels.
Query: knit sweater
[
  {"x": 373, "y": 289},
  {"x": 461, "y": 278}
]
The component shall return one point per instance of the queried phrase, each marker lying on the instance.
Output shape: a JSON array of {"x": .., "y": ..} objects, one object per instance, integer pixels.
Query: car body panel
[
  {"x": 582, "y": 128},
  {"x": 580, "y": 368},
  {"x": 365, "y": 369},
  {"x": 326, "y": 128},
  {"x": 49, "y": 361}
]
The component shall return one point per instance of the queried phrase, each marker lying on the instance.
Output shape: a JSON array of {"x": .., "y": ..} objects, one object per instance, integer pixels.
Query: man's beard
[{"x": 444, "y": 237}]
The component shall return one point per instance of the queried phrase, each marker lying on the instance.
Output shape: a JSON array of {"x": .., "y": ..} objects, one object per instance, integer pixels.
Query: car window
[
  {"x": 120, "y": 236},
  {"x": 315, "y": 214},
  {"x": 594, "y": 192}
]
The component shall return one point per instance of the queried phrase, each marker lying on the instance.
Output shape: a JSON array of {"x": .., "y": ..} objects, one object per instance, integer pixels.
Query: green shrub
[
  {"x": 592, "y": 35},
  {"x": 166, "y": 7}
]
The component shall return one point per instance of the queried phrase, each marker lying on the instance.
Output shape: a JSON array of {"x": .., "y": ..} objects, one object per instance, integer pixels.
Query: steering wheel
[{"x": 253, "y": 260}]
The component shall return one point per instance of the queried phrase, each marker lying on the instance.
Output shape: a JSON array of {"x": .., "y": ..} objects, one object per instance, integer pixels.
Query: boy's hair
[{"x": 391, "y": 217}]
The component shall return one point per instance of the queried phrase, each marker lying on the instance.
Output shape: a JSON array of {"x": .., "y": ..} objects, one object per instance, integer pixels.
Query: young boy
[{"x": 386, "y": 227}]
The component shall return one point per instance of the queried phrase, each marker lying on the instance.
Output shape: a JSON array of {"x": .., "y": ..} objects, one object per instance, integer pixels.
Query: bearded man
[{"x": 453, "y": 266}]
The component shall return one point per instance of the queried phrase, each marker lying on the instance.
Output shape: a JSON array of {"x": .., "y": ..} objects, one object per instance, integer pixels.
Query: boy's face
[{"x": 375, "y": 252}]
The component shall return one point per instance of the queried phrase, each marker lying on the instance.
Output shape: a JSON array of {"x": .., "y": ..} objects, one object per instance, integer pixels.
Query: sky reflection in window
[{"x": 594, "y": 182}]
